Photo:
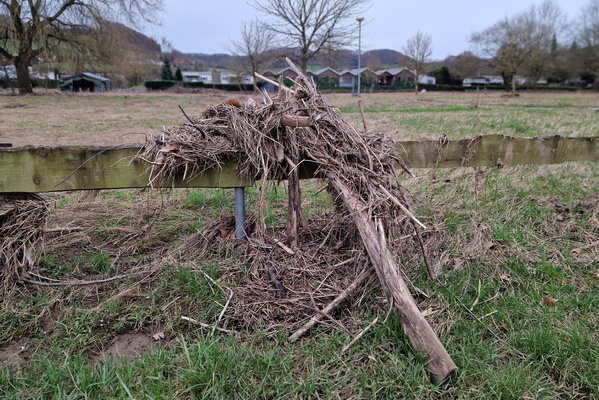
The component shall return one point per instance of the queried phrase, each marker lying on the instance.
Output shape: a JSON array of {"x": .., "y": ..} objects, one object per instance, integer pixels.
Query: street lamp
[{"x": 359, "y": 51}]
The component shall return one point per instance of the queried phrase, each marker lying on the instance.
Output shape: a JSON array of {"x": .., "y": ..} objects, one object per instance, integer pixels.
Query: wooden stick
[
  {"x": 398, "y": 203},
  {"x": 295, "y": 121},
  {"x": 284, "y": 247},
  {"x": 279, "y": 288},
  {"x": 192, "y": 123},
  {"x": 332, "y": 305},
  {"x": 421, "y": 335},
  {"x": 362, "y": 113},
  {"x": 273, "y": 82},
  {"x": 66, "y": 229}
]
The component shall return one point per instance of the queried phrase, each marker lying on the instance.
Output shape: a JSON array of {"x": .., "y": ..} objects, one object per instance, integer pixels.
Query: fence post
[{"x": 240, "y": 213}]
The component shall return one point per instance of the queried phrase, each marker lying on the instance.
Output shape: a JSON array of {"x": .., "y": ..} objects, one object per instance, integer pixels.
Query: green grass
[{"x": 502, "y": 240}]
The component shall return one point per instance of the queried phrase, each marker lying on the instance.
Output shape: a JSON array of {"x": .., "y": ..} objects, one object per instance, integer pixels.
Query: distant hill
[
  {"x": 376, "y": 59},
  {"x": 382, "y": 58}
]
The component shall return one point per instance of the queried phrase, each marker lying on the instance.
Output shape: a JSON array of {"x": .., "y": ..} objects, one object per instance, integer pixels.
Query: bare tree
[
  {"x": 588, "y": 35},
  {"x": 418, "y": 50},
  {"x": 309, "y": 26},
  {"x": 521, "y": 44},
  {"x": 254, "y": 48},
  {"x": 546, "y": 23},
  {"x": 466, "y": 64},
  {"x": 507, "y": 44},
  {"x": 30, "y": 28}
]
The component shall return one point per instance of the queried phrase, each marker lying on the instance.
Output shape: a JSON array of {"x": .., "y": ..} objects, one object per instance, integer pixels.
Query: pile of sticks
[{"x": 271, "y": 141}]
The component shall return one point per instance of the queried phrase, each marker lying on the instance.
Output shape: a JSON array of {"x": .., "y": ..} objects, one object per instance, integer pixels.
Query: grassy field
[{"x": 516, "y": 250}]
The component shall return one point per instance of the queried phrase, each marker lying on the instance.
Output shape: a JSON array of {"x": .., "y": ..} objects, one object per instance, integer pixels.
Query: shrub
[{"x": 159, "y": 85}]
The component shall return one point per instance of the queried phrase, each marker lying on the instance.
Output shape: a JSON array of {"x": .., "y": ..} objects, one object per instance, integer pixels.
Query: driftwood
[{"x": 421, "y": 335}]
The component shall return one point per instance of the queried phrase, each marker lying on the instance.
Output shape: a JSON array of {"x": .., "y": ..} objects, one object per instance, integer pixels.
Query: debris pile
[
  {"x": 23, "y": 218},
  {"x": 274, "y": 141}
]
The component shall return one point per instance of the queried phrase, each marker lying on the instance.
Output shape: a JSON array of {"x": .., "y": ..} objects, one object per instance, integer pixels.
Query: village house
[{"x": 349, "y": 78}]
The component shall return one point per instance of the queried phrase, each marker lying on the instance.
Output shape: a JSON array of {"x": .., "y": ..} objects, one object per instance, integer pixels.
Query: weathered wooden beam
[
  {"x": 45, "y": 169},
  {"x": 497, "y": 150}
]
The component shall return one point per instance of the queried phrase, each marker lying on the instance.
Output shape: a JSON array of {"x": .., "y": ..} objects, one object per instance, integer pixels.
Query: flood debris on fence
[
  {"x": 270, "y": 141},
  {"x": 23, "y": 217}
]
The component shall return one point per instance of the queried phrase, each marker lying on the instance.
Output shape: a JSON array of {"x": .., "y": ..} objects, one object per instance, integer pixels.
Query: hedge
[
  {"x": 163, "y": 85},
  {"x": 159, "y": 85},
  {"x": 41, "y": 83}
]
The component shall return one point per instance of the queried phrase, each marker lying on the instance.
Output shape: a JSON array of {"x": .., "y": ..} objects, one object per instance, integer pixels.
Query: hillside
[{"x": 375, "y": 59}]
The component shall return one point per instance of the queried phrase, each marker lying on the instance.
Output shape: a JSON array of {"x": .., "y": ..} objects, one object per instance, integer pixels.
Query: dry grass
[
  {"x": 128, "y": 117},
  {"x": 23, "y": 218}
]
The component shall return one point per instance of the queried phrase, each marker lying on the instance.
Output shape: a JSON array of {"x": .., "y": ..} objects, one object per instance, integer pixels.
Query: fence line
[{"x": 34, "y": 169}]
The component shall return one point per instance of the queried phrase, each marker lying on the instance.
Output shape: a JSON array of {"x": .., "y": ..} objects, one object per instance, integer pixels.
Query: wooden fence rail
[{"x": 35, "y": 169}]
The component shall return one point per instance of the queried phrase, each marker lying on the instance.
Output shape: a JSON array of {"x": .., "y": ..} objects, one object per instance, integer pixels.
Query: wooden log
[
  {"x": 421, "y": 335},
  {"x": 295, "y": 121}
]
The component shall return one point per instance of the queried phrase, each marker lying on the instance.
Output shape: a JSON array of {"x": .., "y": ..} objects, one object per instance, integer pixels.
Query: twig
[
  {"x": 222, "y": 312},
  {"x": 332, "y": 305},
  {"x": 398, "y": 203},
  {"x": 477, "y": 297},
  {"x": 280, "y": 289},
  {"x": 431, "y": 273},
  {"x": 213, "y": 327},
  {"x": 359, "y": 335},
  {"x": 79, "y": 283},
  {"x": 284, "y": 247},
  {"x": 64, "y": 228},
  {"x": 193, "y": 123},
  {"x": 85, "y": 162}
]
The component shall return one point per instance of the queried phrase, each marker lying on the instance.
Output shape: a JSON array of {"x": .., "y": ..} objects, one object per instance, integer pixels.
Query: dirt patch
[
  {"x": 130, "y": 345},
  {"x": 15, "y": 353},
  {"x": 15, "y": 105}
]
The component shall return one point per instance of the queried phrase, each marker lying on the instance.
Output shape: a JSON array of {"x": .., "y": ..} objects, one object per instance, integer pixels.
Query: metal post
[
  {"x": 240, "y": 213},
  {"x": 359, "y": 51}
]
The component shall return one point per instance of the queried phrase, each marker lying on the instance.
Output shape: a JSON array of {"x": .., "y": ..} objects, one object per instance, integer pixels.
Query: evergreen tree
[
  {"x": 166, "y": 72},
  {"x": 442, "y": 75},
  {"x": 178, "y": 75}
]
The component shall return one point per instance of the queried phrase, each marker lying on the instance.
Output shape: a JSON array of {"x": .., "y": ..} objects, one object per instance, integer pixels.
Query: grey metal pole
[
  {"x": 359, "y": 51},
  {"x": 240, "y": 213}
]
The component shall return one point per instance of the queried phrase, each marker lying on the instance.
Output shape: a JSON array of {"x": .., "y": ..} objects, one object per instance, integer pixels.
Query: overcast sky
[{"x": 200, "y": 26}]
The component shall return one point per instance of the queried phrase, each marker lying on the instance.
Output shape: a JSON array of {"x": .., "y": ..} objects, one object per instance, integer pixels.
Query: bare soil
[{"x": 129, "y": 345}]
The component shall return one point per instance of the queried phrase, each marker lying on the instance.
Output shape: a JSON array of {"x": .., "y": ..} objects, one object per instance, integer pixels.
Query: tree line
[{"x": 536, "y": 43}]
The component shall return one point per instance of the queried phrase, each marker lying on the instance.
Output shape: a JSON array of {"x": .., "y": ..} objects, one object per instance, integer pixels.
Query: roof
[
  {"x": 323, "y": 70},
  {"x": 83, "y": 75},
  {"x": 393, "y": 71},
  {"x": 99, "y": 81}
]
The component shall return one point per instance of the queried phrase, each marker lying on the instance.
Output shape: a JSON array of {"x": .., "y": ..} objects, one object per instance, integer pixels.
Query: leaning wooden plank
[
  {"x": 45, "y": 169},
  {"x": 497, "y": 150},
  {"x": 421, "y": 335}
]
